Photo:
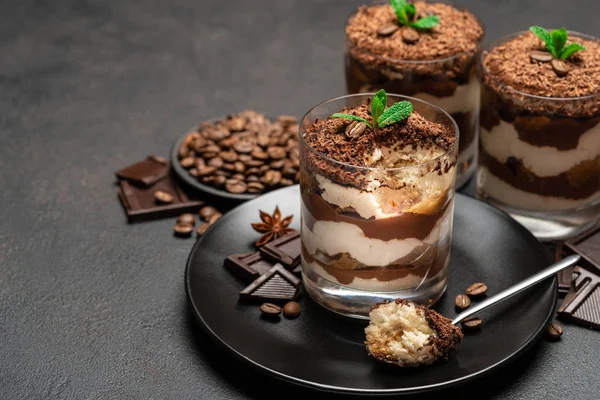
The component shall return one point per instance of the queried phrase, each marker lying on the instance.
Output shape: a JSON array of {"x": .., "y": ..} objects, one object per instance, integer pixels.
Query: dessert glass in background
[
  {"x": 380, "y": 230},
  {"x": 539, "y": 156},
  {"x": 440, "y": 67}
]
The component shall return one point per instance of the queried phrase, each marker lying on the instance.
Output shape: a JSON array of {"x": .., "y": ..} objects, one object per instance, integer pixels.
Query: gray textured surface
[{"x": 91, "y": 307}]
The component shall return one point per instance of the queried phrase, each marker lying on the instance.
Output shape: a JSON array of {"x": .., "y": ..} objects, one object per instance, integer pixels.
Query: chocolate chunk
[
  {"x": 140, "y": 205},
  {"x": 248, "y": 267},
  {"x": 582, "y": 304},
  {"x": 145, "y": 172},
  {"x": 588, "y": 246},
  {"x": 277, "y": 286},
  {"x": 298, "y": 271},
  {"x": 541, "y": 56},
  {"x": 565, "y": 276},
  {"x": 285, "y": 250},
  {"x": 387, "y": 29}
]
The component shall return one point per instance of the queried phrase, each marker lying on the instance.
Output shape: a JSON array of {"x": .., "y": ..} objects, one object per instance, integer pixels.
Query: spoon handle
[{"x": 519, "y": 287}]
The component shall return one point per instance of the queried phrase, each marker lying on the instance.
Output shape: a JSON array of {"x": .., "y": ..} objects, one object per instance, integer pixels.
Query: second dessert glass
[{"x": 372, "y": 233}]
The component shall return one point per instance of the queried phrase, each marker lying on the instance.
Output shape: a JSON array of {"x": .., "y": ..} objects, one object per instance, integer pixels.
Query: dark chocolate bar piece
[
  {"x": 298, "y": 271},
  {"x": 588, "y": 246},
  {"x": 565, "y": 276},
  {"x": 582, "y": 304},
  {"x": 277, "y": 286},
  {"x": 285, "y": 250},
  {"x": 248, "y": 267},
  {"x": 140, "y": 204},
  {"x": 145, "y": 172}
]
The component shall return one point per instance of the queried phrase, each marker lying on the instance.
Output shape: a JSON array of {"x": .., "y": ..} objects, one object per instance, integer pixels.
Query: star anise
[{"x": 272, "y": 226}]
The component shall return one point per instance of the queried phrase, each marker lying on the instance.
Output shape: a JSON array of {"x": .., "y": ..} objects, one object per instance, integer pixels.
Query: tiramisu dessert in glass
[
  {"x": 540, "y": 131},
  {"x": 425, "y": 50},
  {"x": 377, "y": 180}
]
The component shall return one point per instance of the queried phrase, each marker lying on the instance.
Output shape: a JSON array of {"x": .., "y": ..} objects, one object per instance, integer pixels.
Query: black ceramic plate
[{"x": 326, "y": 351}]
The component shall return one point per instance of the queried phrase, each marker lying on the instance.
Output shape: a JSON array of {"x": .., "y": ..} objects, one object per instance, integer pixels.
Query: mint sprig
[
  {"x": 406, "y": 14},
  {"x": 555, "y": 42},
  {"x": 382, "y": 117}
]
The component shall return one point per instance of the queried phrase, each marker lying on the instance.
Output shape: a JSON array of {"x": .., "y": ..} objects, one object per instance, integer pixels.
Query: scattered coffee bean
[
  {"x": 476, "y": 289},
  {"x": 214, "y": 218},
  {"x": 554, "y": 332},
  {"x": 202, "y": 228},
  {"x": 183, "y": 230},
  {"x": 541, "y": 56},
  {"x": 235, "y": 186},
  {"x": 471, "y": 324},
  {"x": 207, "y": 211},
  {"x": 387, "y": 29},
  {"x": 270, "y": 310},
  {"x": 410, "y": 36},
  {"x": 462, "y": 301},
  {"x": 163, "y": 197},
  {"x": 255, "y": 187},
  {"x": 291, "y": 310},
  {"x": 187, "y": 219},
  {"x": 560, "y": 67},
  {"x": 355, "y": 129}
]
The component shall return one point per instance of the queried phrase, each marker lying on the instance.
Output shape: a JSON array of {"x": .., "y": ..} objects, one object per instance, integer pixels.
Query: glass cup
[
  {"x": 373, "y": 234},
  {"x": 451, "y": 83},
  {"x": 539, "y": 157}
]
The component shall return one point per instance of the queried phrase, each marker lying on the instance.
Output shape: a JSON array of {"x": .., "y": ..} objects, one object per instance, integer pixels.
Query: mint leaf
[
  {"x": 427, "y": 22},
  {"x": 411, "y": 11},
  {"x": 399, "y": 7},
  {"x": 378, "y": 106},
  {"x": 353, "y": 117},
  {"x": 397, "y": 112},
  {"x": 559, "y": 39},
  {"x": 546, "y": 37},
  {"x": 570, "y": 50}
]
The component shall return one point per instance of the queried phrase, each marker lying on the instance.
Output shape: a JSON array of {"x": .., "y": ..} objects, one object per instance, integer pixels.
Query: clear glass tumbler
[
  {"x": 539, "y": 157},
  {"x": 362, "y": 246}
]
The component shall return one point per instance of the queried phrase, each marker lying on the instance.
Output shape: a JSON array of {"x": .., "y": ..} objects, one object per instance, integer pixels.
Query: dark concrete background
[{"x": 94, "y": 308}]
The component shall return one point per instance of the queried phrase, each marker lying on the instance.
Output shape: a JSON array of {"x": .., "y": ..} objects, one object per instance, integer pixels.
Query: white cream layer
[
  {"x": 466, "y": 98},
  {"x": 503, "y": 142},
  {"x": 499, "y": 190}
]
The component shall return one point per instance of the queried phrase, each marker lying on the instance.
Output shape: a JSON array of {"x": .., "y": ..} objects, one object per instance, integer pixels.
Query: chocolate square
[
  {"x": 285, "y": 250},
  {"x": 146, "y": 172},
  {"x": 565, "y": 276},
  {"x": 247, "y": 267},
  {"x": 588, "y": 246},
  {"x": 277, "y": 286},
  {"x": 582, "y": 303}
]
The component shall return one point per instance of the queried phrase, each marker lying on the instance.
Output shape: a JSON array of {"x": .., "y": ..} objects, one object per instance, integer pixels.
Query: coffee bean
[
  {"x": 187, "y": 162},
  {"x": 264, "y": 168},
  {"x": 163, "y": 197},
  {"x": 216, "y": 162},
  {"x": 270, "y": 310},
  {"x": 239, "y": 177},
  {"x": 206, "y": 171},
  {"x": 271, "y": 177},
  {"x": 476, "y": 289},
  {"x": 355, "y": 129},
  {"x": 211, "y": 148},
  {"x": 276, "y": 153},
  {"x": 222, "y": 173},
  {"x": 202, "y": 228},
  {"x": 287, "y": 120},
  {"x": 255, "y": 187},
  {"x": 252, "y": 171},
  {"x": 541, "y": 56},
  {"x": 206, "y": 212},
  {"x": 560, "y": 67},
  {"x": 219, "y": 181},
  {"x": 183, "y": 151},
  {"x": 183, "y": 230},
  {"x": 252, "y": 178},
  {"x": 227, "y": 142},
  {"x": 387, "y": 29},
  {"x": 462, "y": 301},
  {"x": 254, "y": 163},
  {"x": 187, "y": 218},
  {"x": 554, "y": 332},
  {"x": 245, "y": 158},
  {"x": 200, "y": 163},
  {"x": 214, "y": 218},
  {"x": 243, "y": 147},
  {"x": 278, "y": 164},
  {"x": 235, "y": 186},
  {"x": 193, "y": 171},
  {"x": 410, "y": 36},
  {"x": 159, "y": 159},
  {"x": 286, "y": 182},
  {"x": 228, "y": 156},
  {"x": 207, "y": 180},
  {"x": 239, "y": 167},
  {"x": 259, "y": 154},
  {"x": 291, "y": 310},
  {"x": 236, "y": 124},
  {"x": 471, "y": 324},
  {"x": 263, "y": 140}
]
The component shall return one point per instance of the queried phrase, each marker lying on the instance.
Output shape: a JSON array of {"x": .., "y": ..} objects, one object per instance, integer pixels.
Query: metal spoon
[{"x": 519, "y": 287}]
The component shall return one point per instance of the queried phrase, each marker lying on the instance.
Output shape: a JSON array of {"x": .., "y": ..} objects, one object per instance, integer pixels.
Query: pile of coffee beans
[{"x": 245, "y": 153}]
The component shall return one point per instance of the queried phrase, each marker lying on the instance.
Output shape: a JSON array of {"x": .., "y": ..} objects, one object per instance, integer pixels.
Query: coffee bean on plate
[
  {"x": 219, "y": 181},
  {"x": 216, "y": 162},
  {"x": 193, "y": 172},
  {"x": 206, "y": 212},
  {"x": 255, "y": 187},
  {"x": 252, "y": 171},
  {"x": 291, "y": 310},
  {"x": 183, "y": 230},
  {"x": 187, "y": 218},
  {"x": 202, "y": 228},
  {"x": 163, "y": 197},
  {"x": 476, "y": 289},
  {"x": 239, "y": 167},
  {"x": 214, "y": 218},
  {"x": 462, "y": 301},
  {"x": 554, "y": 332},
  {"x": 252, "y": 178},
  {"x": 270, "y": 310},
  {"x": 387, "y": 29},
  {"x": 471, "y": 324},
  {"x": 235, "y": 186},
  {"x": 228, "y": 156},
  {"x": 188, "y": 162}
]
